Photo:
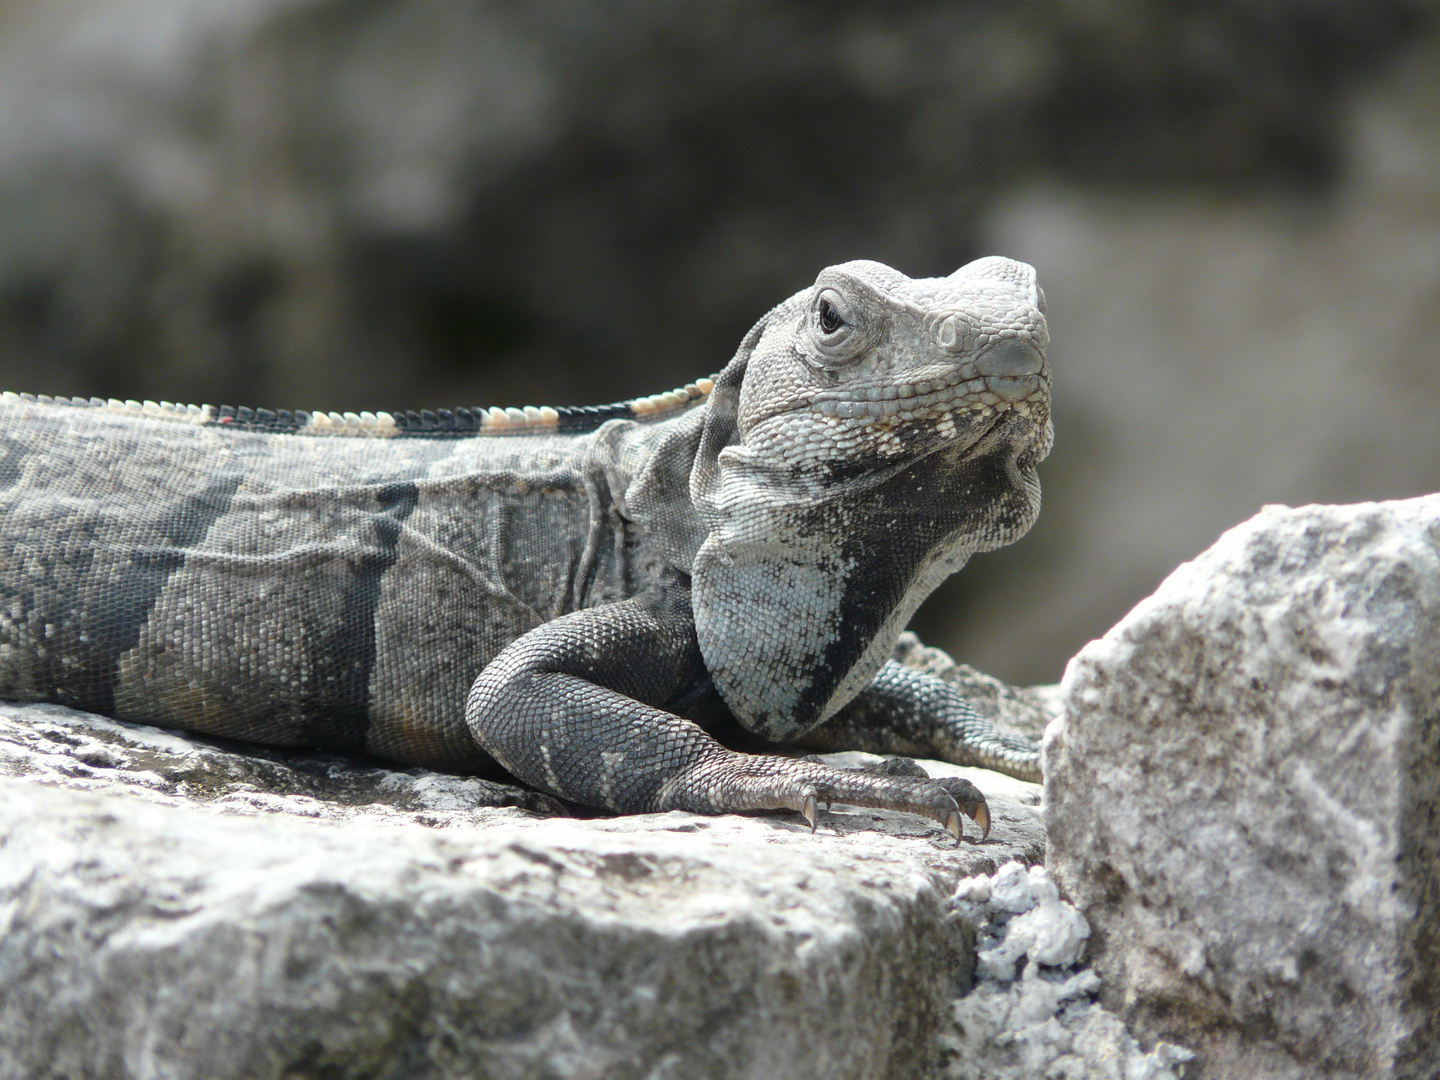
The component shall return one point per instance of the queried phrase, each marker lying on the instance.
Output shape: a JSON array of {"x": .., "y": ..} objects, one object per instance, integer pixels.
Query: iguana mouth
[
  {"x": 853, "y": 433},
  {"x": 892, "y": 406},
  {"x": 846, "y": 476},
  {"x": 922, "y": 400},
  {"x": 1009, "y": 374}
]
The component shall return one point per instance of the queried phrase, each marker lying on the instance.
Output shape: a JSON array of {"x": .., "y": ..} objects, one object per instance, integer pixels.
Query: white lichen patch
[{"x": 1033, "y": 1009}]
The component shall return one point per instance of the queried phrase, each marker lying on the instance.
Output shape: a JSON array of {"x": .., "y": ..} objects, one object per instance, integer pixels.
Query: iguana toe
[
  {"x": 966, "y": 795},
  {"x": 970, "y": 799}
]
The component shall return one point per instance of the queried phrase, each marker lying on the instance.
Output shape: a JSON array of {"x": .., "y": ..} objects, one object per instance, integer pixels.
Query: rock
[
  {"x": 54, "y": 745},
  {"x": 1243, "y": 797},
  {"x": 1011, "y": 891},
  {"x": 175, "y": 907},
  {"x": 1047, "y": 1022},
  {"x": 1046, "y": 929}
]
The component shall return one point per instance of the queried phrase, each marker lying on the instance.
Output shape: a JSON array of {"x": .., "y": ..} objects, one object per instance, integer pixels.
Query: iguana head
[
  {"x": 869, "y": 366},
  {"x": 872, "y": 433}
]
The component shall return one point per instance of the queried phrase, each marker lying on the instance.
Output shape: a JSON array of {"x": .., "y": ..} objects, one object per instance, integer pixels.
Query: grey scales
[{"x": 617, "y": 605}]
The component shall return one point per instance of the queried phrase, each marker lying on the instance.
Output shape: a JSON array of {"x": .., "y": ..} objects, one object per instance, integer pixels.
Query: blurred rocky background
[{"x": 1234, "y": 206}]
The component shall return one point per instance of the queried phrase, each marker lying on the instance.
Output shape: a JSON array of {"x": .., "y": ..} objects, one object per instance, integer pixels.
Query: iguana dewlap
[{"x": 584, "y": 595}]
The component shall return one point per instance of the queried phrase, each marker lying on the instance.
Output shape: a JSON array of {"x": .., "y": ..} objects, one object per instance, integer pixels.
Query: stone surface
[
  {"x": 1243, "y": 797},
  {"x": 172, "y": 907},
  {"x": 1040, "y": 1019},
  {"x": 51, "y": 744}
]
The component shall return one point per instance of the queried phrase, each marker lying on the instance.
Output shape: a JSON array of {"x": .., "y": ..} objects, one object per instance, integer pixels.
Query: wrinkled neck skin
[{"x": 840, "y": 475}]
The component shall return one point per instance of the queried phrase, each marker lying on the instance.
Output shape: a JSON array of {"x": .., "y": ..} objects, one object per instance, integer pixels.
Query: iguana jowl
[{"x": 583, "y": 595}]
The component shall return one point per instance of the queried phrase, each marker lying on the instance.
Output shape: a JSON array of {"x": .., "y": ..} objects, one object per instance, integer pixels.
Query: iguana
[{"x": 587, "y": 596}]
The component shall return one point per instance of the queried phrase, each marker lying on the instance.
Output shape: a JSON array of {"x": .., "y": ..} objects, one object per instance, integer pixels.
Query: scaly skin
[{"x": 585, "y": 596}]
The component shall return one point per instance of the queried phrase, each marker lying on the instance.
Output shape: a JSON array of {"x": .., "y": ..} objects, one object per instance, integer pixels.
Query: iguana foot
[
  {"x": 541, "y": 710},
  {"x": 727, "y": 781},
  {"x": 905, "y": 711},
  {"x": 966, "y": 795}
]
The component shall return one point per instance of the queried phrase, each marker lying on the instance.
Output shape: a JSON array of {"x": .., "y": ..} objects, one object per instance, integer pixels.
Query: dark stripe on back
[
  {"x": 247, "y": 419},
  {"x": 589, "y": 417},
  {"x": 124, "y": 602},
  {"x": 335, "y": 704}
]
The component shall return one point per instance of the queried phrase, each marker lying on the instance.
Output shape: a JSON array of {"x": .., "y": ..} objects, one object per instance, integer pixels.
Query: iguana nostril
[{"x": 1012, "y": 357}]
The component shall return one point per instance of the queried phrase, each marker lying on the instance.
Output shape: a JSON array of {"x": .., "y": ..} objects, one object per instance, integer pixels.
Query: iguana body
[{"x": 555, "y": 590}]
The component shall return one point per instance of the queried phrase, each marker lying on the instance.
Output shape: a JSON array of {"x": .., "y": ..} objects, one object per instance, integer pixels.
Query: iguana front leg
[
  {"x": 575, "y": 708},
  {"x": 909, "y": 712}
]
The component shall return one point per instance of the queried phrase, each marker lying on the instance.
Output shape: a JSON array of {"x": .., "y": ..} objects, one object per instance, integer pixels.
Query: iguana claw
[
  {"x": 810, "y": 810},
  {"x": 982, "y": 818},
  {"x": 970, "y": 799},
  {"x": 966, "y": 795}
]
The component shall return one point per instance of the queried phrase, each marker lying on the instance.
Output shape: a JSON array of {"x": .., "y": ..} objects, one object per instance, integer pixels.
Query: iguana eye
[{"x": 836, "y": 327}]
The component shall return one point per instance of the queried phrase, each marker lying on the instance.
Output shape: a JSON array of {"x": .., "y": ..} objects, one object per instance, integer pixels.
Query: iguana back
[{"x": 305, "y": 580}]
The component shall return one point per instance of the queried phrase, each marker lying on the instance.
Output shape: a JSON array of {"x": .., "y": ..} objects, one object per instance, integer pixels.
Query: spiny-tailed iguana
[{"x": 586, "y": 596}]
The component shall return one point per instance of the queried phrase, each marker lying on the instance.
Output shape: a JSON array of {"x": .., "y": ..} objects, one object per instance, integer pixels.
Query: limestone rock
[
  {"x": 174, "y": 907},
  {"x": 54, "y": 745},
  {"x": 1243, "y": 797},
  {"x": 1046, "y": 1022}
]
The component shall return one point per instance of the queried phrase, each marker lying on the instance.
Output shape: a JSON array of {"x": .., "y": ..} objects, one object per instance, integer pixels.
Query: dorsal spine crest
[{"x": 440, "y": 422}]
